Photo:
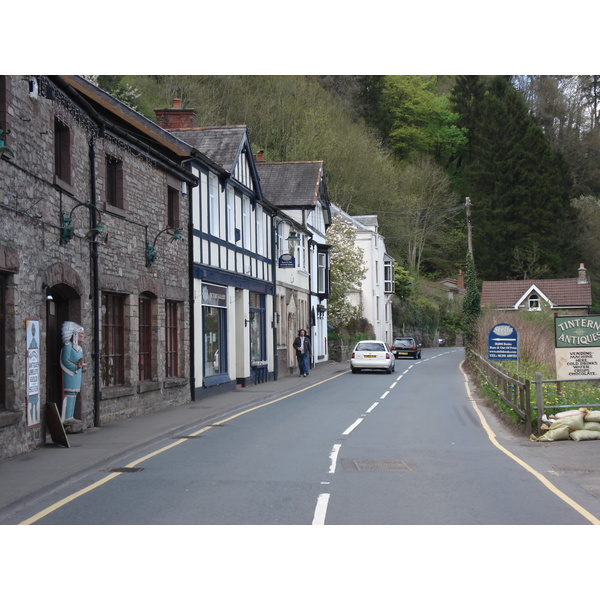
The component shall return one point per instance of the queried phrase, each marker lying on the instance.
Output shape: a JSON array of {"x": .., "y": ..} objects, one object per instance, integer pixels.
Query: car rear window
[{"x": 370, "y": 347}]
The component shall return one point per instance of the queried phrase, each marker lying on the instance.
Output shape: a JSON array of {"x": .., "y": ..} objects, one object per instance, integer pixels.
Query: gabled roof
[
  {"x": 564, "y": 293},
  {"x": 221, "y": 144},
  {"x": 292, "y": 184}
]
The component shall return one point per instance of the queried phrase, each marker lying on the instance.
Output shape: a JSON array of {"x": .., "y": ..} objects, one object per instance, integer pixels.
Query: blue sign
[
  {"x": 287, "y": 261},
  {"x": 503, "y": 343}
]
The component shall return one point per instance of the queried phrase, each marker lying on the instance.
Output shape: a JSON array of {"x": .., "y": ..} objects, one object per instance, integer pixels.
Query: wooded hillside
[{"x": 525, "y": 150}]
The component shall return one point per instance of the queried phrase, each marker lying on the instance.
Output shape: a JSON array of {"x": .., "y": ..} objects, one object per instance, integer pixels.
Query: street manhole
[
  {"x": 353, "y": 464},
  {"x": 123, "y": 470}
]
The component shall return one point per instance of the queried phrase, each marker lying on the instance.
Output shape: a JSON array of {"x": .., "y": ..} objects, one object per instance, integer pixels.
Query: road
[{"x": 408, "y": 448}]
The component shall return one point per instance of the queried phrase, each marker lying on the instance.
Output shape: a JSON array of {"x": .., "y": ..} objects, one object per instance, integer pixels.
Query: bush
[{"x": 536, "y": 336}]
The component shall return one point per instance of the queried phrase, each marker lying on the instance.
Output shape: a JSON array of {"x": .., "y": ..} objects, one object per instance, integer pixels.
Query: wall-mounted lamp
[
  {"x": 97, "y": 232},
  {"x": 292, "y": 237},
  {"x": 321, "y": 309},
  {"x": 5, "y": 149},
  {"x": 47, "y": 287},
  {"x": 151, "y": 247},
  {"x": 276, "y": 320},
  {"x": 66, "y": 225},
  {"x": 184, "y": 188}
]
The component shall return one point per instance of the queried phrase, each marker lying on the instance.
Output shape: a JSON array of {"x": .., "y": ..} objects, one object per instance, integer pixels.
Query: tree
[
  {"x": 520, "y": 188},
  {"x": 415, "y": 119},
  {"x": 426, "y": 203},
  {"x": 347, "y": 271},
  {"x": 471, "y": 301}
]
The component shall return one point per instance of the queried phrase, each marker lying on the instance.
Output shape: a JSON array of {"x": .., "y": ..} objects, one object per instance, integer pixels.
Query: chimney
[
  {"x": 176, "y": 117},
  {"x": 260, "y": 156},
  {"x": 582, "y": 274},
  {"x": 460, "y": 281}
]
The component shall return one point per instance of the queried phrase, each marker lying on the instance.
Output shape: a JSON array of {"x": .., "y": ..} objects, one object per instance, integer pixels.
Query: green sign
[{"x": 577, "y": 332}]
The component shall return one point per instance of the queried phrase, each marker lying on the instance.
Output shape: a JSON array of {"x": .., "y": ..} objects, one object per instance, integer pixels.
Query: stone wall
[{"x": 32, "y": 254}]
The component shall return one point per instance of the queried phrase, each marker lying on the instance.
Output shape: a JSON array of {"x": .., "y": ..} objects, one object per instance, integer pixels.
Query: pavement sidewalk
[{"x": 32, "y": 475}]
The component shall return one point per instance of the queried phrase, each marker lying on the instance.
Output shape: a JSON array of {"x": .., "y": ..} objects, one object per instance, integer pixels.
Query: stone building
[{"x": 91, "y": 196}]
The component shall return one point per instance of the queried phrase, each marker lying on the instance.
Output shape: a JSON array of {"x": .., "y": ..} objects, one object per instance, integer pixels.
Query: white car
[{"x": 372, "y": 354}]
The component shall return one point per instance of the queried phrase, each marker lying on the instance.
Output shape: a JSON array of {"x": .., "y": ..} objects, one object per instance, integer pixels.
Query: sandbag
[
  {"x": 573, "y": 422},
  {"x": 584, "y": 434},
  {"x": 570, "y": 413},
  {"x": 553, "y": 435},
  {"x": 593, "y": 416},
  {"x": 591, "y": 426}
]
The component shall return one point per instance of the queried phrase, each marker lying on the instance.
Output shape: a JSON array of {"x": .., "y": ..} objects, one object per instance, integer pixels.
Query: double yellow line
[
  {"x": 492, "y": 436},
  {"x": 146, "y": 457}
]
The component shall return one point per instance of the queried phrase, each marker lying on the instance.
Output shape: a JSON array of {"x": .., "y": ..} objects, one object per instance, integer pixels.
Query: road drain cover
[
  {"x": 123, "y": 470},
  {"x": 353, "y": 464}
]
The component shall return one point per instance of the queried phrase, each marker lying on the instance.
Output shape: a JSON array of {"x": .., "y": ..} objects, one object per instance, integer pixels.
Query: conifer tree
[{"x": 520, "y": 188}]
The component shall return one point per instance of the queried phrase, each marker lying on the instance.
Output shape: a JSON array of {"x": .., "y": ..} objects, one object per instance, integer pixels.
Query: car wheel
[{"x": 355, "y": 370}]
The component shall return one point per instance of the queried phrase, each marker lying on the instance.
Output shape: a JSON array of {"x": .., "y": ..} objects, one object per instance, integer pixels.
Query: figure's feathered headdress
[{"x": 69, "y": 328}]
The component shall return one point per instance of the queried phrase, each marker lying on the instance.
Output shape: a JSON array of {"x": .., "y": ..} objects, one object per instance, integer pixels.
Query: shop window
[
  {"x": 257, "y": 328},
  {"x": 146, "y": 339},
  {"x": 214, "y": 326},
  {"x": 112, "y": 358},
  {"x": 171, "y": 339}
]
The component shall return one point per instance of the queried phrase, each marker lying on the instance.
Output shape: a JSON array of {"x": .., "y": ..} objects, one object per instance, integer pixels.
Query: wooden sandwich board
[{"x": 55, "y": 426}]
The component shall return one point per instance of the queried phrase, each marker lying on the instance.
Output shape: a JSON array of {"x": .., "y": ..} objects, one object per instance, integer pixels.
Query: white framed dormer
[{"x": 532, "y": 300}]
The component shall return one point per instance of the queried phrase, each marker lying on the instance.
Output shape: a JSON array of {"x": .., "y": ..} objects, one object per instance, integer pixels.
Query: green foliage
[
  {"x": 117, "y": 87},
  {"x": 403, "y": 282},
  {"x": 416, "y": 119},
  {"x": 471, "y": 301},
  {"x": 520, "y": 188}
]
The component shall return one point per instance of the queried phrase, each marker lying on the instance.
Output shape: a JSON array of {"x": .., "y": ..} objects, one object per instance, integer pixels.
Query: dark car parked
[{"x": 406, "y": 346}]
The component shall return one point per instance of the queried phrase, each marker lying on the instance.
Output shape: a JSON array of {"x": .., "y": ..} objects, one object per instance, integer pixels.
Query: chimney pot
[{"x": 176, "y": 102}]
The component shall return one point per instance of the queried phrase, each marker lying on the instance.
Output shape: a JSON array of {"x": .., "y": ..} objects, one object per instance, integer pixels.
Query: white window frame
[
  {"x": 321, "y": 272},
  {"x": 213, "y": 202},
  {"x": 230, "y": 204}
]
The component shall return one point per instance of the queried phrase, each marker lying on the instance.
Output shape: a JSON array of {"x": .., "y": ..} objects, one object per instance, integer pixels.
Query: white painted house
[
  {"x": 375, "y": 294},
  {"x": 298, "y": 189}
]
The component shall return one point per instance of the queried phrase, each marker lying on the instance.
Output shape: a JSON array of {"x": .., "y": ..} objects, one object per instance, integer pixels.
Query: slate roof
[
  {"x": 220, "y": 144},
  {"x": 561, "y": 292},
  {"x": 291, "y": 184}
]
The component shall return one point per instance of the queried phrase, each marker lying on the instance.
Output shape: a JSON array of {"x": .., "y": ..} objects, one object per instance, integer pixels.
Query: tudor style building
[
  {"x": 232, "y": 265},
  {"x": 299, "y": 190},
  {"x": 91, "y": 193}
]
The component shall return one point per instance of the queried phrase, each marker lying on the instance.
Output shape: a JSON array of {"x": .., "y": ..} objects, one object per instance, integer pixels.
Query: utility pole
[{"x": 469, "y": 240}]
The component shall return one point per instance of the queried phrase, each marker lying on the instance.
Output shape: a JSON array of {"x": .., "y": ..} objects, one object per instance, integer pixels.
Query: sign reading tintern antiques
[
  {"x": 577, "y": 351},
  {"x": 503, "y": 342},
  {"x": 576, "y": 332}
]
